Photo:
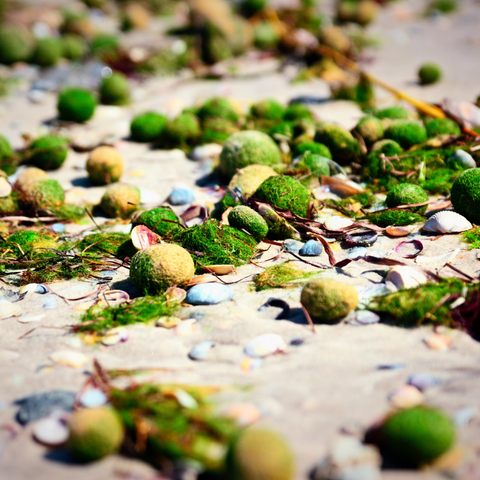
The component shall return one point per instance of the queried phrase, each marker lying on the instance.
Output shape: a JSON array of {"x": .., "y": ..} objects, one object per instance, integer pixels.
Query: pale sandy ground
[{"x": 313, "y": 391}]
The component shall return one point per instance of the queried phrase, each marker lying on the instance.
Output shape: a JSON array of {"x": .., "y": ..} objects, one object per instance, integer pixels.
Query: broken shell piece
[
  {"x": 68, "y": 358},
  {"x": 113, "y": 298},
  {"x": 93, "y": 398},
  {"x": 244, "y": 413},
  {"x": 219, "y": 269},
  {"x": 175, "y": 295},
  {"x": 206, "y": 278},
  {"x": 447, "y": 222},
  {"x": 168, "y": 322},
  {"x": 143, "y": 237},
  {"x": 337, "y": 223},
  {"x": 51, "y": 431},
  {"x": 399, "y": 231},
  {"x": 406, "y": 397},
  {"x": 343, "y": 188},
  {"x": 403, "y": 248},
  {"x": 114, "y": 336},
  {"x": 8, "y": 309},
  {"x": 265, "y": 345},
  {"x": 5, "y": 187},
  {"x": 186, "y": 328},
  {"x": 441, "y": 259},
  {"x": 31, "y": 318},
  {"x": 406, "y": 277},
  {"x": 438, "y": 341}
]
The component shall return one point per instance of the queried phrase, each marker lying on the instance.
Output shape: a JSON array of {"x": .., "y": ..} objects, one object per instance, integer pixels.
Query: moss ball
[
  {"x": 285, "y": 192},
  {"x": 119, "y": 201},
  {"x": 105, "y": 165},
  {"x": 76, "y": 105},
  {"x": 6, "y": 155},
  {"x": 313, "y": 147},
  {"x": 28, "y": 176},
  {"x": 328, "y": 300},
  {"x": 260, "y": 454},
  {"x": 245, "y": 218},
  {"x": 250, "y": 178},
  {"x": 183, "y": 129},
  {"x": 9, "y": 204},
  {"x": 74, "y": 47},
  {"x": 406, "y": 133},
  {"x": 417, "y": 436},
  {"x": 387, "y": 147},
  {"x": 104, "y": 44},
  {"x": 268, "y": 109},
  {"x": 115, "y": 90},
  {"x": 466, "y": 194},
  {"x": 248, "y": 148},
  {"x": 147, "y": 127},
  {"x": 297, "y": 111},
  {"x": 399, "y": 218},
  {"x": 442, "y": 126},
  {"x": 407, "y": 194},
  {"x": 155, "y": 218},
  {"x": 160, "y": 266},
  {"x": 266, "y": 36},
  {"x": 370, "y": 129},
  {"x": 341, "y": 143},
  {"x": 366, "y": 12},
  {"x": 15, "y": 44},
  {"x": 94, "y": 434},
  {"x": 395, "y": 112},
  {"x": 314, "y": 163},
  {"x": 282, "y": 130},
  {"x": 48, "y": 152},
  {"x": 429, "y": 73},
  {"x": 218, "y": 107},
  {"x": 47, "y": 52},
  {"x": 45, "y": 193},
  {"x": 335, "y": 38},
  {"x": 217, "y": 130}
]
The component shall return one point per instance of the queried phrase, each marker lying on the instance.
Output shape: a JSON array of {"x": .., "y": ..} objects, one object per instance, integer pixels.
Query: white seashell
[
  {"x": 168, "y": 322},
  {"x": 406, "y": 397},
  {"x": 337, "y": 223},
  {"x": 68, "y": 358},
  {"x": 438, "y": 342},
  {"x": 50, "y": 431},
  {"x": 441, "y": 259},
  {"x": 406, "y": 277},
  {"x": 265, "y": 345},
  {"x": 447, "y": 222},
  {"x": 114, "y": 336},
  {"x": 5, "y": 187},
  {"x": 143, "y": 237},
  {"x": 93, "y": 398},
  {"x": 206, "y": 152},
  {"x": 201, "y": 351},
  {"x": 244, "y": 413},
  {"x": 8, "y": 309},
  {"x": 186, "y": 328},
  {"x": 175, "y": 294},
  {"x": 147, "y": 196},
  {"x": 399, "y": 231},
  {"x": 31, "y": 318}
]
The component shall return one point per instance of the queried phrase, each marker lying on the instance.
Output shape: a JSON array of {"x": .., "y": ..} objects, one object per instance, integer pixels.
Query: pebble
[
  {"x": 463, "y": 159},
  {"x": 209, "y": 294},
  {"x": 465, "y": 415},
  {"x": 41, "y": 405},
  {"x": 33, "y": 288},
  {"x": 93, "y": 398},
  {"x": 49, "y": 303},
  {"x": 265, "y": 345},
  {"x": 68, "y": 358},
  {"x": 209, "y": 151},
  {"x": 406, "y": 396},
  {"x": 201, "y": 351},
  {"x": 362, "y": 317},
  {"x": 186, "y": 328},
  {"x": 114, "y": 336},
  {"x": 293, "y": 246},
  {"x": 357, "y": 252},
  {"x": 422, "y": 381},
  {"x": 148, "y": 196},
  {"x": 52, "y": 432},
  {"x": 58, "y": 227},
  {"x": 181, "y": 196},
  {"x": 36, "y": 96},
  {"x": 311, "y": 249}
]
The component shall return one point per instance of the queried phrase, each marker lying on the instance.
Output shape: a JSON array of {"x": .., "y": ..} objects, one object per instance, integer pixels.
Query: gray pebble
[
  {"x": 422, "y": 381},
  {"x": 311, "y": 249},
  {"x": 181, "y": 196},
  {"x": 362, "y": 317},
  {"x": 41, "y": 405},
  {"x": 58, "y": 227},
  {"x": 356, "y": 252},
  {"x": 209, "y": 294},
  {"x": 464, "y": 416},
  {"x": 201, "y": 351},
  {"x": 49, "y": 302},
  {"x": 292, "y": 246}
]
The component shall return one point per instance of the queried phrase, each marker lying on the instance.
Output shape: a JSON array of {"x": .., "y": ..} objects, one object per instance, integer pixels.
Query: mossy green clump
[
  {"x": 183, "y": 130},
  {"x": 160, "y": 266},
  {"x": 47, "y": 52},
  {"x": 9, "y": 204},
  {"x": 26, "y": 241},
  {"x": 266, "y": 36},
  {"x": 297, "y": 111},
  {"x": 472, "y": 237},
  {"x": 105, "y": 165},
  {"x": 442, "y": 126},
  {"x": 94, "y": 434},
  {"x": 407, "y": 194},
  {"x": 370, "y": 129},
  {"x": 227, "y": 201},
  {"x": 360, "y": 91},
  {"x": 247, "y": 219},
  {"x": 407, "y": 133},
  {"x": 76, "y": 105},
  {"x": 388, "y": 147},
  {"x": 217, "y": 130},
  {"x": 442, "y": 6},
  {"x": 115, "y": 90},
  {"x": 30, "y": 175},
  {"x": 313, "y": 147},
  {"x": 218, "y": 107},
  {"x": 417, "y": 436},
  {"x": 68, "y": 212},
  {"x": 105, "y": 45},
  {"x": 398, "y": 218},
  {"x": 395, "y": 112},
  {"x": 111, "y": 244},
  {"x": 268, "y": 109},
  {"x": 48, "y": 152},
  {"x": 74, "y": 47},
  {"x": 248, "y": 148},
  {"x": 328, "y": 300},
  {"x": 284, "y": 275},
  {"x": 161, "y": 220},
  {"x": 45, "y": 193},
  {"x": 282, "y": 130},
  {"x": 215, "y": 244},
  {"x": 314, "y": 163},
  {"x": 147, "y": 127},
  {"x": 284, "y": 192},
  {"x": 120, "y": 201},
  {"x": 7, "y": 161},
  {"x": 341, "y": 143},
  {"x": 466, "y": 194},
  {"x": 429, "y": 73},
  {"x": 15, "y": 44},
  {"x": 260, "y": 454}
]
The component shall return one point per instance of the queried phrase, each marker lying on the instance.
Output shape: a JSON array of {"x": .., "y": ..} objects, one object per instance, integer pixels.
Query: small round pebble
[
  {"x": 52, "y": 432},
  {"x": 181, "y": 196},
  {"x": 93, "y": 398},
  {"x": 201, "y": 351},
  {"x": 293, "y": 246},
  {"x": 461, "y": 159},
  {"x": 209, "y": 294},
  {"x": 422, "y": 381},
  {"x": 311, "y": 249}
]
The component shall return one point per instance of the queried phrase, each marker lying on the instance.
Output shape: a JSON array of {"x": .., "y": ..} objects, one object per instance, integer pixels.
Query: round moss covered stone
[
  {"x": 407, "y": 194},
  {"x": 160, "y": 220},
  {"x": 9, "y": 204},
  {"x": 147, "y": 127},
  {"x": 406, "y": 133},
  {"x": 115, "y": 90},
  {"x": 74, "y": 47},
  {"x": 250, "y": 178},
  {"x": 218, "y": 107},
  {"x": 160, "y": 266},
  {"x": 183, "y": 129},
  {"x": 15, "y": 44},
  {"x": 417, "y": 436},
  {"x": 341, "y": 143},
  {"x": 328, "y": 300},
  {"x": 47, "y": 52},
  {"x": 105, "y": 165},
  {"x": 268, "y": 109},
  {"x": 119, "y": 201},
  {"x": 248, "y": 148},
  {"x": 45, "y": 193},
  {"x": 297, "y": 111},
  {"x": 429, "y": 73},
  {"x": 387, "y": 147},
  {"x": 395, "y": 112},
  {"x": 313, "y": 147},
  {"x": 260, "y": 454},
  {"x": 466, "y": 194},
  {"x": 370, "y": 129},
  {"x": 245, "y": 218},
  {"x": 29, "y": 176},
  {"x": 48, "y": 152},
  {"x": 76, "y": 105},
  {"x": 442, "y": 126},
  {"x": 94, "y": 434},
  {"x": 314, "y": 163}
]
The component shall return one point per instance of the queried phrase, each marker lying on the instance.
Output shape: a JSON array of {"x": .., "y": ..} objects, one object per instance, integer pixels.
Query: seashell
[
  {"x": 311, "y": 249},
  {"x": 402, "y": 248},
  {"x": 220, "y": 269},
  {"x": 113, "y": 298},
  {"x": 399, "y": 231},
  {"x": 250, "y": 364},
  {"x": 209, "y": 294},
  {"x": 357, "y": 252},
  {"x": 114, "y": 336},
  {"x": 422, "y": 381},
  {"x": 406, "y": 277},
  {"x": 201, "y": 351},
  {"x": 168, "y": 322},
  {"x": 265, "y": 345},
  {"x": 49, "y": 303},
  {"x": 441, "y": 259},
  {"x": 31, "y": 318},
  {"x": 51, "y": 431},
  {"x": 362, "y": 317},
  {"x": 467, "y": 112},
  {"x": 243, "y": 413},
  {"x": 6, "y": 355},
  {"x": 8, "y": 309},
  {"x": 438, "y": 341},
  {"x": 447, "y": 222},
  {"x": 205, "y": 278},
  {"x": 175, "y": 295},
  {"x": 362, "y": 239},
  {"x": 465, "y": 415},
  {"x": 461, "y": 159},
  {"x": 292, "y": 246},
  {"x": 147, "y": 196},
  {"x": 210, "y": 151},
  {"x": 337, "y": 223},
  {"x": 406, "y": 397},
  {"x": 277, "y": 225},
  {"x": 68, "y": 358},
  {"x": 343, "y": 188},
  {"x": 181, "y": 196},
  {"x": 186, "y": 328},
  {"x": 5, "y": 187},
  {"x": 142, "y": 237},
  {"x": 58, "y": 228},
  {"x": 93, "y": 398}
]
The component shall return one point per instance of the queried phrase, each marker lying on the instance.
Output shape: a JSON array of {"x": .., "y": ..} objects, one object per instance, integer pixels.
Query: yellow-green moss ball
[
  {"x": 407, "y": 133},
  {"x": 48, "y": 152},
  {"x": 105, "y": 165},
  {"x": 250, "y": 178},
  {"x": 160, "y": 266},
  {"x": 147, "y": 127},
  {"x": 245, "y": 218},
  {"x": 45, "y": 193},
  {"x": 407, "y": 194},
  {"x": 429, "y": 73},
  {"x": 115, "y": 90},
  {"x": 48, "y": 52},
  {"x": 343, "y": 146},
  {"x": 74, "y": 47},
  {"x": 94, "y": 434},
  {"x": 15, "y": 44},
  {"x": 183, "y": 129},
  {"x": 336, "y": 38},
  {"x": 119, "y": 201},
  {"x": 466, "y": 194},
  {"x": 328, "y": 300},
  {"x": 28, "y": 176},
  {"x": 370, "y": 129},
  {"x": 76, "y": 105}
]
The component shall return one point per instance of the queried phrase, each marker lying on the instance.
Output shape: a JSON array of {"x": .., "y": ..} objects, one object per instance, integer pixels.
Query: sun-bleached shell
[
  {"x": 406, "y": 397},
  {"x": 441, "y": 259},
  {"x": 219, "y": 269},
  {"x": 447, "y": 222},
  {"x": 399, "y": 231},
  {"x": 143, "y": 237},
  {"x": 337, "y": 223},
  {"x": 114, "y": 336},
  {"x": 438, "y": 341},
  {"x": 406, "y": 277},
  {"x": 168, "y": 322},
  {"x": 186, "y": 328},
  {"x": 265, "y": 345},
  {"x": 205, "y": 278},
  {"x": 8, "y": 309},
  {"x": 51, "y": 431},
  {"x": 68, "y": 358},
  {"x": 5, "y": 187}
]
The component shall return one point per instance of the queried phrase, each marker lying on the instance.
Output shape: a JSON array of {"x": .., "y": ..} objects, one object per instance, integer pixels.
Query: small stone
[
  {"x": 406, "y": 397},
  {"x": 362, "y": 317},
  {"x": 49, "y": 302},
  {"x": 58, "y": 228},
  {"x": 461, "y": 159},
  {"x": 357, "y": 252},
  {"x": 181, "y": 196},
  {"x": 68, "y": 358},
  {"x": 93, "y": 398},
  {"x": 209, "y": 294},
  {"x": 36, "y": 96},
  {"x": 41, "y": 405},
  {"x": 201, "y": 351},
  {"x": 293, "y": 246},
  {"x": 311, "y": 249},
  {"x": 52, "y": 432},
  {"x": 422, "y": 381},
  {"x": 265, "y": 345},
  {"x": 464, "y": 416}
]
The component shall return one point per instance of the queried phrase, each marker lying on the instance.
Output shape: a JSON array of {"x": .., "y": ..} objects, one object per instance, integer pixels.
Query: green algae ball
[
  {"x": 442, "y": 126},
  {"x": 104, "y": 44},
  {"x": 313, "y": 147},
  {"x": 394, "y": 217},
  {"x": 217, "y": 130},
  {"x": 94, "y": 434},
  {"x": 248, "y": 148},
  {"x": 250, "y": 178},
  {"x": 119, "y": 201},
  {"x": 406, "y": 133},
  {"x": 466, "y": 194},
  {"x": 183, "y": 129},
  {"x": 74, "y": 47},
  {"x": 28, "y": 176},
  {"x": 47, "y": 52},
  {"x": 147, "y": 127},
  {"x": 328, "y": 300},
  {"x": 48, "y": 152},
  {"x": 314, "y": 163},
  {"x": 260, "y": 454},
  {"x": 15, "y": 44},
  {"x": 387, "y": 147},
  {"x": 266, "y": 36},
  {"x": 155, "y": 218},
  {"x": 297, "y": 111},
  {"x": 341, "y": 143},
  {"x": 407, "y": 194},
  {"x": 105, "y": 165},
  {"x": 370, "y": 129},
  {"x": 429, "y": 73},
  {"x": 9, "y": 204},
  {"x": 395, "y": 112},
  {"x": 45, "y": 193},
  {"x": 268, "y": 109},
  {"x": 76, "y": 105},
  {"x": 160, "y": 266},
  {"x": 417, "y": 436},
  {"x": 245, "y": 218},
  {"x": 285, "y": 192},
  {"x": 218, "y": 107},
  {"x": 115, "y": 90}
]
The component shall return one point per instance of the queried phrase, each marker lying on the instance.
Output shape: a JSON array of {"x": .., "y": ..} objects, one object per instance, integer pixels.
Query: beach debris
[
  {"x": 201, "y": 351},
  {"x": 406, "y": 277},
  {"x": 438, "y": 341},
  {"x": 365, "y": 238},
  {"x": 343, "y": 188},
  {"x": 423, "y": 381},
  {"x": 447, "y": 222},
  {"x": 142, "y": 237},
  {"x": 357, "y": 252},
  {"x": 181, "y": 196},
  {"x": 219, "y": 269},
  {"x": 186, "y": 328},
  {"x": 113, "y": 298},
  {"x": 337, "y": 223},
  {"x": 399, "y": 231},
  {"x": 311, "y": 249},
  {"x": 68, "y": 358},
  {"x": 277, "y": 225},
  {"x": 283, "y": 275},
  {"x": 41, "y": 405},
  {"x": 51, "y": 431},
  {"x": 403, "y": 248},
  {"x": 209, "y": 294},
  {"x": 8, "y": 309},
  {"x": 265, "y": 345},
  {"x": 205, "y": 278},
  {"x": 115, "y": 336},
  {"x": 168, "y": 322},
  {"x": 406, "y": 396},
  {"x": 362, "y": 317},
  {"x": 441, "y": 259},
  {"x": 31, "y": 318}
]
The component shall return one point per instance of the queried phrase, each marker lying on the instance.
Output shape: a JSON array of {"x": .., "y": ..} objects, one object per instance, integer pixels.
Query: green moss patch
[{"x": 284, "y": 275}]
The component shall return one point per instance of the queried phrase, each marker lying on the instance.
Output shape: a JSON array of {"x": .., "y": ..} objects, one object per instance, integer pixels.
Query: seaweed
[
  {"x": 387, "y": 218},
  {"x": 472, "y": 237},
  {"x": 284, "y": 275}
]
